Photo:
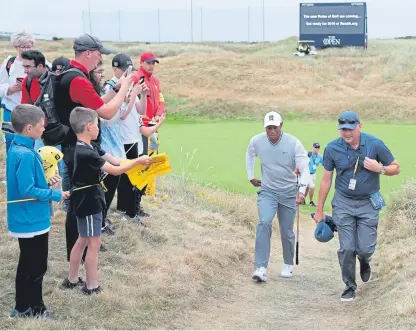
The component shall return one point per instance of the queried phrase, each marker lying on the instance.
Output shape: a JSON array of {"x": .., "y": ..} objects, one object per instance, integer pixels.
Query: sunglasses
[
  {"x": 347, "y": 121},
  {"x": 318, "y": 147}
]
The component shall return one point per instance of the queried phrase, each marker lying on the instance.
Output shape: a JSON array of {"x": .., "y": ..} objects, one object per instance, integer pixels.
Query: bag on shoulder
[
  {"x": 55, "y": 132},
  {"x": 9, "y": 63}
]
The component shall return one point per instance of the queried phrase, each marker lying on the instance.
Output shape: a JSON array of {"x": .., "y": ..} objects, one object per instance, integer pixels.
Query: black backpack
[
  {"x": 55, "y": 132},
  {"x": 9, "y": 63}
]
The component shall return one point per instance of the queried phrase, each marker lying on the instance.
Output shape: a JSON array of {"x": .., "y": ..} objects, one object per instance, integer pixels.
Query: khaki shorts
[{"x": 311, "y": 182}]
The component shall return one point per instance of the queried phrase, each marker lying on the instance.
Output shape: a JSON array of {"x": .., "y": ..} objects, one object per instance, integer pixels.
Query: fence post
[
  {"x": 248, "y": 24},
  {"x": 89, "y": 10},
  {"x": 192, "y": 23},
  {"x": 263, "y": 23},
  {"x": 119, "y": 25},
  {"x": 202, "y": 27},
  {"x": 158, "y": 24}
]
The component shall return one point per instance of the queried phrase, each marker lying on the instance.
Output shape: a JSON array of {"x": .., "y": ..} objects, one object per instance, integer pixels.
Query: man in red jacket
[
  {"x": 155, "y": 102},
  {"x": 34, "y": 66}
]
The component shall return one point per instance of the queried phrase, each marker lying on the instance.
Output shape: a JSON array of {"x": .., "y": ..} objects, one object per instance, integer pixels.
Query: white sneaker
[
  {"x": 260, "y": 274},
  {"x": 287, "y": 271}
]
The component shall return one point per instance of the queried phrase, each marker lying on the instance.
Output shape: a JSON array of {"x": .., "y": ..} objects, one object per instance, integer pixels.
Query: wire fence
[{"x": 251, "y": 24}]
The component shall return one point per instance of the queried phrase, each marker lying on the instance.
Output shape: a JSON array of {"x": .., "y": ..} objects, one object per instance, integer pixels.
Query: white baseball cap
[{"x": 272, "y": 118}]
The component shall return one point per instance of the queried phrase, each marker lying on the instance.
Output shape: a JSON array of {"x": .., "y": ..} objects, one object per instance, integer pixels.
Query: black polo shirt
[{"x": 87, "y": 171}]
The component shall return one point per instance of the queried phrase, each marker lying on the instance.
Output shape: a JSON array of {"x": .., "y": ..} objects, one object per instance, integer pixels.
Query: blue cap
[
  {"x": 323, "y": 232},
  {"x": 325, "y": 229},
  {"x": 348, "y": 120}
]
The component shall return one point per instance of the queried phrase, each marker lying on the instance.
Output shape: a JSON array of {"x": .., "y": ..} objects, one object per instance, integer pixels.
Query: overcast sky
[{"x": 221, "y": 19}]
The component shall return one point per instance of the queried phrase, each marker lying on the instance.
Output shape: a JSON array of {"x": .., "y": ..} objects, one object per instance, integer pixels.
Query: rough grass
[
  {"x": 190, "y": 268},
  {"x": 398, "y": 249},
  {"x": 311, "y": 299},
  {"x": 151, "y": 276}
]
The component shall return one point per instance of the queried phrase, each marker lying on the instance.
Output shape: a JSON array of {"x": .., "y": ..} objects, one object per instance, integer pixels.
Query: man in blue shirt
[
  {"x": 315, "y": 159},
  {"x": 359, "y": 159}
]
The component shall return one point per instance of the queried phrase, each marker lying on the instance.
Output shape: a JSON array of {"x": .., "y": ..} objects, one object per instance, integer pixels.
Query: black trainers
[
  {"x": 96, "y": 290},
  {"x": 312, "y": 204},
  {"x": 142, "y": 213},
  {"x": 107, "y": 230},
  {"x": 109, "y": 224},
  {"x": 365, "y": 271},
  {"x": 348, "y": 295},
  {"x": 66, "y": 284},
  {"x": 121, "y": 211}
]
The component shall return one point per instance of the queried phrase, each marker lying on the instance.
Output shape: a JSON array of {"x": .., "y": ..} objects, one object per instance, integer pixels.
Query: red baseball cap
[{"x": 148, "y": 57}]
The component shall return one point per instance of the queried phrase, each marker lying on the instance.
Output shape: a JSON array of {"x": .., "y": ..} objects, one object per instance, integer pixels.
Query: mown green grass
[{"x": 213, "y": 153}]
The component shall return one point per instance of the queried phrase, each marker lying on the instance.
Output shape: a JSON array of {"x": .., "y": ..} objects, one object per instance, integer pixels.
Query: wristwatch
[{"x": 115, "y": 89}]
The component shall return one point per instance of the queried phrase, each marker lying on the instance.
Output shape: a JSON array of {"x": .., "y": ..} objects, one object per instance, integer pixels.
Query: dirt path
[{"x": 310, "y": 300}]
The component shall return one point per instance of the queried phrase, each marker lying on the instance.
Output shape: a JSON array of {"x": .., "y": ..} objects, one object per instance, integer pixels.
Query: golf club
[{"x": 297, "y": 222}]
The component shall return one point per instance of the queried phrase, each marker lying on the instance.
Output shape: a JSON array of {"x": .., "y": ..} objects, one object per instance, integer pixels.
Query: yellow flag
[{"x": 140, "y": 176}]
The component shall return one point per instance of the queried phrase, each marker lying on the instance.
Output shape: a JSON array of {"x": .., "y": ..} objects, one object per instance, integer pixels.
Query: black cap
[
  {"x": 121, "y": 61},
  {"x": 87, "y": 42},
  {"x": 60, "y": 63}
]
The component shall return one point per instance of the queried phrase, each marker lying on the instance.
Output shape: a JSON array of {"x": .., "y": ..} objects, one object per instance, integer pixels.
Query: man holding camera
[{"x": 155, "y": 102}]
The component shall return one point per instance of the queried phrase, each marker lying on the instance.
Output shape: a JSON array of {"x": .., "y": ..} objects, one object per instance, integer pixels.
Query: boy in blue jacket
[{"x": 29, "y": 221}]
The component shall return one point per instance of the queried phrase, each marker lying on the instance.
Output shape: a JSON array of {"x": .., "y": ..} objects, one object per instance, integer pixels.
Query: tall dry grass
[
  {"x": 389, "y": 300},
  {"x": 397, "y": 248},
  {"x": 220, "y": 79}
]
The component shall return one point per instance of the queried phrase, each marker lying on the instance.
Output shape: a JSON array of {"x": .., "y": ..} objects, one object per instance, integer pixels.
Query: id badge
[{"x": 352, "y": 184}]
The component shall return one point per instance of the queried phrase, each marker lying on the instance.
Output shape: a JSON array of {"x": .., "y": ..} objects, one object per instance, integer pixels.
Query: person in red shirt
[
  {"x": 88, "y": 53},
  {"x": 34, "y": 65},
  {"x": 155, "y": 102},
  {"x": 74, "y": 90}
]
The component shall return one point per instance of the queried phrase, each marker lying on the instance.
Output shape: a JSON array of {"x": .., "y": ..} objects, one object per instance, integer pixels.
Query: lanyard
[
  {"x": 80, "y": 142},
  {"x": 356, "y": 166}
]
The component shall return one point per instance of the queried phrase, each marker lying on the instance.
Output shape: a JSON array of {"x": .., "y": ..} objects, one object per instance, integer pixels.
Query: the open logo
[{"x": 332, "y": 40}]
